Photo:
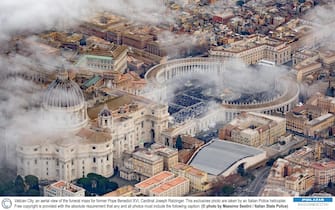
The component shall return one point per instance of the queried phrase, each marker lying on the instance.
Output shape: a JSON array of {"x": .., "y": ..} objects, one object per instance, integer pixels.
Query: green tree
[
  {"x": 241, "y": 170},
  {"x": 179, "y": 143},
  {"x": 7, "y": 188},
  {"x": 32, "y": 192},
  {"x": 19, "y": 185},
  {"x": 85, "y": 183},
  {"x": 32, "y": 181},
  {"x": 240, "y": 3},
  {"x": 330, "y": 184},
  {"x": 112, "y": 186},
  {"x": 227, "y": 190},
  {"x": 95, "y": 183}
]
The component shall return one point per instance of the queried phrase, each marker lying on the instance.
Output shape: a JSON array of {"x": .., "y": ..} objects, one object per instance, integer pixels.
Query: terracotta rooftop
[
  {"x": 67, "y": 186},
  {"x": 154, "y": 180},
  {"x": 112, "y": 104},
  {"x": 169, "y": 184}
]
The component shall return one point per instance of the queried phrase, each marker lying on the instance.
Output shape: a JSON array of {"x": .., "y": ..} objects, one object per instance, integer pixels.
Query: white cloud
[{"x": 18, "y": 16}]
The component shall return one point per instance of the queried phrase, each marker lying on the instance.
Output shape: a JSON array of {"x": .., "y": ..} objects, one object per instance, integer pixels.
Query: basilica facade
[{"x": 88, "y": 140}]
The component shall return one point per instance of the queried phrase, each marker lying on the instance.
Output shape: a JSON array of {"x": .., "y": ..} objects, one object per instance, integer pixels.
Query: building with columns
[{"x": 88, "y": 140}]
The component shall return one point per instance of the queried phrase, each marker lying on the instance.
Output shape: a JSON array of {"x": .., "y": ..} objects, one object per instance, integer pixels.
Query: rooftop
[
  {"x": 67, "y": 186},
  {"x": 154, "y": 180},
  {"x": 320, "y": 119},
  {"x": 324, "y": 165},
  {"x": 146, "y": 155},
  {"x": 189, "y": 169},
  {"x": 165, "y": 151},
  {"x": 120, "y": 191},
  {"x": 218, "y": 155},
  {"x": 169, "y": 184}
]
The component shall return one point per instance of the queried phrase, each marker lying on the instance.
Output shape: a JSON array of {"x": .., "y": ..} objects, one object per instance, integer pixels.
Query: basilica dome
[
  {"x": 63, "y": 93},
  {"x": 65, "y": 101}
]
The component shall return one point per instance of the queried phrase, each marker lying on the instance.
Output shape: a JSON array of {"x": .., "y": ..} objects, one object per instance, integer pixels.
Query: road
[{"x": 258, "y": 183}]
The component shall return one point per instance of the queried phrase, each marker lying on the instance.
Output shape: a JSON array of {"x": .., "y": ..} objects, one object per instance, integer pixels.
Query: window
[
  {"x": 93, "y": 147},
  {"x": 107, "y": 145},
  {"x": 94, "y": 160},
  {"x": 107, "y": 157},
  {"x": 35, "y": 149}
]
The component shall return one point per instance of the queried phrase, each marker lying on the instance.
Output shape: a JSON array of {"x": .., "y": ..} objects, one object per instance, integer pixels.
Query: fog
[
  {"x": 20, "y": 100},
  {"x": 235, "y": 76},
  {"x": 21, "y": 16},
  {"x": 323, "y": 19}
]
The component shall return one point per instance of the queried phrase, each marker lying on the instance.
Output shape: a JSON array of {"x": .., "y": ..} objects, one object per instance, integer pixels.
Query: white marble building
[{"x": 87, "y": 141}]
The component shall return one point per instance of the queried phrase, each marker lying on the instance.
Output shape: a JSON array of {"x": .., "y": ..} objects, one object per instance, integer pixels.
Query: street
[{"x": 254, "y": 188}]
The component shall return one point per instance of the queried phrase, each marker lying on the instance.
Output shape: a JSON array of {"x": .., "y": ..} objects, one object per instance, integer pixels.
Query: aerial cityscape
[{"x": 120, "y": 98}]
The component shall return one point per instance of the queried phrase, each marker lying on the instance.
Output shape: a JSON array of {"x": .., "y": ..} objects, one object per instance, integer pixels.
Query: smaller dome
[{"x": 105, "y": 112}]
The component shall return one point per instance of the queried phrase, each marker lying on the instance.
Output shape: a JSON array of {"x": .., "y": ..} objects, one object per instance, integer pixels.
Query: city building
[
  {"x": 301, "y": 182},
  {"x": 147, "y": 163},
  {"x": 289, "y": 177},
  {"x": 237, "y": 155},
  {"x": 254, "y": 49},
  {"x": 198, "y": 179},
  {"x": 310, "y": 120},
  {"x": 175, "y": 187},
  {"x": 170, "y": 155},
  {"x": 145, "y": 186},
  {"x": 144, "y": 163},
  {"x": 125, "y": 191},
  {"x": 103, "y": 59},
  {"x": 308, "y": 69},
  {"x": 310, "y": 65},
  {"x": 63, "y": 189},
  {"x": 325, "y": 103},
  {"x": 254, "y": 129},
  {"x": 329, "y": 148},
  {"x": 324, "y": 172},
  {"x": 91, "y": 139}
]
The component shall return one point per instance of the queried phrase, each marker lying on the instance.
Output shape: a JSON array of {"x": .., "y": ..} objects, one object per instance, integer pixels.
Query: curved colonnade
[{"x": 159, "y": 75}]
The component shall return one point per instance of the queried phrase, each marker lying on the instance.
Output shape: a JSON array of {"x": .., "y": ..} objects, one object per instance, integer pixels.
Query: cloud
[
  {"x": 237, "y": 77},
  {"x": 21, "y": 16},
  {"x": 324, "y": 23},
  {"x": 179, "y": 45}
]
